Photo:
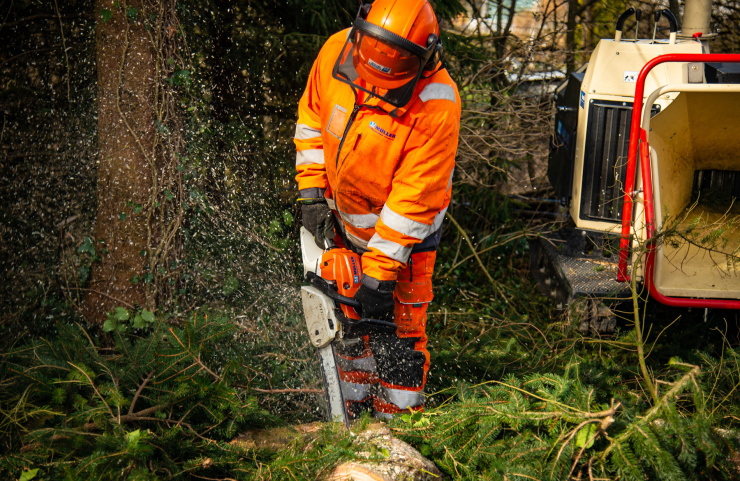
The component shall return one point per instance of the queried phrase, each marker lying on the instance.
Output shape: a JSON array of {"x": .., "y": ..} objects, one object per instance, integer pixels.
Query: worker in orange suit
[{"x": 376, "y": 139}]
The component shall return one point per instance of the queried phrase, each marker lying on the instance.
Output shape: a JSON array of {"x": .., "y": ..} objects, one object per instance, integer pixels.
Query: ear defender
[
  {"x": 438, "y": 54},
  {"x": 365, "y": 10}
]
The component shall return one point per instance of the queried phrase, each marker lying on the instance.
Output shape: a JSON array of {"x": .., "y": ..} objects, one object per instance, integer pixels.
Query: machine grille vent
[{"x": 605, "y": 160}]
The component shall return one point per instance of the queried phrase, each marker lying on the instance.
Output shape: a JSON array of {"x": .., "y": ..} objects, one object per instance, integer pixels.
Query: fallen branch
[
  {"x": 289, "y": 391},
  {"x": 470, "y": 244}
]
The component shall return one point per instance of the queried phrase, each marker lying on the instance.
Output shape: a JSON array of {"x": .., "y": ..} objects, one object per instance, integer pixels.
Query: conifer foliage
[
  {"x": 557, "y": 427},
  {"x": 154, "y": 403}
]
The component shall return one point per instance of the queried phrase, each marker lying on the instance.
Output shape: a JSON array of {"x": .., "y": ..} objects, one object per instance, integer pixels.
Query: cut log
[
  {"x": 397, "y": 460},
  {"x": 382, "y": 457}
]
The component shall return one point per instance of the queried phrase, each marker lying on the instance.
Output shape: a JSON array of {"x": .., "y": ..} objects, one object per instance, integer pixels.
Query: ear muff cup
[{"x": 437, "y": 56}]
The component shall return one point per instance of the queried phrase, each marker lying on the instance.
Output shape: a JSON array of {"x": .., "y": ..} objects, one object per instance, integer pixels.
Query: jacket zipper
[{"x": 346, "y": 131}]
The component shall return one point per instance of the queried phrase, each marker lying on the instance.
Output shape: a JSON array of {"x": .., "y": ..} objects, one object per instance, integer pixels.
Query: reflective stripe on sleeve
[
  {"x": 311, "y": 156},
  {"x": 438, "y": 219},
  {"x": 304, "y": 132},
  {"x": 404, "y": 225},
  {"x": 437, "y": 91},
  {"x": 361, "y": 221},
  {"x": 402, "y": 398},
  {"x": 332, "y": 205},
  {"x": 362, "y": 244},
  {"x": 395, "y": 251}
]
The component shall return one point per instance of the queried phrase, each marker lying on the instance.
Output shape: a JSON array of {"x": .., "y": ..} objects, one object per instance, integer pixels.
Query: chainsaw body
[{"x": 331, "y": 312}]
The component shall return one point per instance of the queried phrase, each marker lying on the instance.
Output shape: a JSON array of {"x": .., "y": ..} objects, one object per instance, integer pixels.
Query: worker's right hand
[
  {"x": 319, "y": 220},
  {"x": 376, "y": 298}
]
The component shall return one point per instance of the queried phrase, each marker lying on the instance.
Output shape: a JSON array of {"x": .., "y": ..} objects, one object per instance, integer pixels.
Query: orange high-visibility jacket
[{"x": 387, "y": 172}]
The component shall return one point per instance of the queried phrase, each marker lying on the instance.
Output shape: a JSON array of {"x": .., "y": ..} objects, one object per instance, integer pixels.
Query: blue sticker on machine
[
  {"x": 354, "y": 270},
  {"x": 562, "y": 133},
  {"x": 583, "y": 99}
]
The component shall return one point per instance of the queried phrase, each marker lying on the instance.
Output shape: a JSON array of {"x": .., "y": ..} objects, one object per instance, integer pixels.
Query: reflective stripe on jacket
[{"x": 391, "y": 182}]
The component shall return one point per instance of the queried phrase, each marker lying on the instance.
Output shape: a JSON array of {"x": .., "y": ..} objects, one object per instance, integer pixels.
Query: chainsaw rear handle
[{"x": 328, "y": 289}]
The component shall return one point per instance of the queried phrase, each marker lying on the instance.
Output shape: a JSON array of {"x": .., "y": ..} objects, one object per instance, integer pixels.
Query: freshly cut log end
[
  {"x": 396, "y": 460},
  {"x": 354, "y": 472}
]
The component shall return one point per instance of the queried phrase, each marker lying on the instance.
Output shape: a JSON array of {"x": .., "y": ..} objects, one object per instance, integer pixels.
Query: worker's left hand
[
  {"x": 319, "y": 220},
  {"x": 377, "y": 303}
]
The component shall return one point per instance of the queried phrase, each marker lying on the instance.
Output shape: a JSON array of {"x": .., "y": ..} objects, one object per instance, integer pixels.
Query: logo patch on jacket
[{"x": 381, "y": 131}]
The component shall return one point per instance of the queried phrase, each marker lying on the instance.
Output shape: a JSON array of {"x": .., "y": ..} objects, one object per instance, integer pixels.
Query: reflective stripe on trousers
[{"x": 402, "y": 398}]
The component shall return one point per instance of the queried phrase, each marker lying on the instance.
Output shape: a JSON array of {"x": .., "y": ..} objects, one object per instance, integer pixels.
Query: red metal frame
[{"x": 638, "y": 136}]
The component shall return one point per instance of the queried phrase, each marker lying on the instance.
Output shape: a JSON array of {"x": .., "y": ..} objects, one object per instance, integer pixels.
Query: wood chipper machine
[{"x": 645, "y": 154}]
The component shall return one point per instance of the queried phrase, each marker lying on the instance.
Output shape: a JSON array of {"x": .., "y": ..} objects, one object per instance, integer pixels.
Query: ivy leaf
[
  {"x": 28, "y": 475},
  {"x": 122, "y": 216},
  {"x": 121, "y": 314},
  {"x": 148, "y": 278},
  {"x": 132, "y": 13},
  {"x": 137, "y": 208},
  {"x": 148, "y": 316},
  {"x": 106, "y": 15},
  {"x": 138, "y": 322},
  {"x": 168, "y": 194},
  {"x": 109, "y": 325},
  {"x": 133, "y": 437},
  {"x": 584, "y": 436},
  {"x": 88, "y": 246}
]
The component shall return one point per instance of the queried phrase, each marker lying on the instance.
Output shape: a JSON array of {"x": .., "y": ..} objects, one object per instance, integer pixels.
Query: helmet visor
[
  {"x": 390, "y": 66},
  {"x": 382, "y": 63}
]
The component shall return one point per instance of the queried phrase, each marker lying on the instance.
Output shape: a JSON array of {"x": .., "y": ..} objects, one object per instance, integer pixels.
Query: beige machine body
[
  {"x": 610, "y": 77},
  {"x": 694, "y": 135}
]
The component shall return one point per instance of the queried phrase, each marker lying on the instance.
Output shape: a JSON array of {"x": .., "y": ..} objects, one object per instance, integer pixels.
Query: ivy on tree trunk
[{"x": 126, "y": 131}]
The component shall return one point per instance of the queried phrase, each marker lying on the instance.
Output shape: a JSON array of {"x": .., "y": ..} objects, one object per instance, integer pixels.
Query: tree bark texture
[
  {"x": 126, "y": 130},
  {"x": 570, "y": 36}
]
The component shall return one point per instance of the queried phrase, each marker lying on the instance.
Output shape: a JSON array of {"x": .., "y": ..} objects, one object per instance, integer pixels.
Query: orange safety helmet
[{"x": 391, "y": 43}]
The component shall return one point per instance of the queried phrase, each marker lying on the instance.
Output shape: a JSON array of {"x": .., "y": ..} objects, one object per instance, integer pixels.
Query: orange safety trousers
[{"x": 387, "y": 372}]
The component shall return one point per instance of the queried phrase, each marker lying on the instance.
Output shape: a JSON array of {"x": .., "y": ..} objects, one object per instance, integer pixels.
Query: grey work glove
[{"x": 319, "y": 220}]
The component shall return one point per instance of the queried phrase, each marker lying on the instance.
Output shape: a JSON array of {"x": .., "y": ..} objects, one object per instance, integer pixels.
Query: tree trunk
[
  {"x": 675, "y": 8},
  {"x": 126, "y": 129},
  {"x": 570, "y": 36}
]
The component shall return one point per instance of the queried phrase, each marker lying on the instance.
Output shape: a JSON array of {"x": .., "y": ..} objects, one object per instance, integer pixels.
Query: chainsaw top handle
[{"x": 329, "y": 289}]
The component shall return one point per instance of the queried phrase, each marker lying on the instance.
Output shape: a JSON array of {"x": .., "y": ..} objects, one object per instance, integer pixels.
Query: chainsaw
[{"x": 331, "y": 313}]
